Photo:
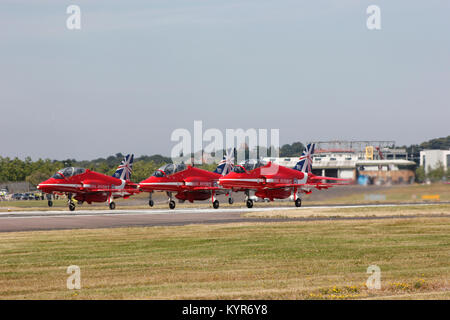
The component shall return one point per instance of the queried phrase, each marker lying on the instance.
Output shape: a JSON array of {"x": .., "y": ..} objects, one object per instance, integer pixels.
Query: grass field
[
  {"x": 289, "y": 260},
  {"x": 400, "y": 193},
  {"x": 382, "y": 211}
]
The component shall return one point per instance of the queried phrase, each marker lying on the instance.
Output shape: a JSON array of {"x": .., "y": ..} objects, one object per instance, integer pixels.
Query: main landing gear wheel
[
  {"x": 172, "y": 204},
  {"x": 112, "y": 205},
  {"x": 298, "y": 202},
  {"x": 71, "y": 206},
  {"x": 230, "y": 201},
  {"x": 216, "y": 204},
  {"x": 249, "y": 203},
  {"x": 50, "y": 203},
  {"x": 151, "y": 203}
]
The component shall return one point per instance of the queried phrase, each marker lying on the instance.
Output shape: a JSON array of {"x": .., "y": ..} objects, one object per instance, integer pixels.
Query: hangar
[{"x": 367, "y": 162}]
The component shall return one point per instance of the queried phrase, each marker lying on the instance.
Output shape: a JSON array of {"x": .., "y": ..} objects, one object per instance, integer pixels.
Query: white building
[
  {"x": 432, "y": 159},
  {"x": 352, "y": 159}
]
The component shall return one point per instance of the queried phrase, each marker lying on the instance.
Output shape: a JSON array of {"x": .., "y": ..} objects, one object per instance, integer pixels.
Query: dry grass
[
  {"x": 400, "y": 194},
  {"x": 409, "y": 210},
  {"x": 291, "y": 260}
]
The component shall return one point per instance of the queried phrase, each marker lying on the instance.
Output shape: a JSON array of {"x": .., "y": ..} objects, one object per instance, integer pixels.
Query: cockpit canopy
[
  {"x": 68, "y": 172},
  {"x": 169, "y": 169},
  {"x": 248, "y": 165}
]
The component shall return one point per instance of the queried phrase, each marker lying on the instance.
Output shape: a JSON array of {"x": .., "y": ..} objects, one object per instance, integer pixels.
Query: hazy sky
[{"x": 137, "y": 70}]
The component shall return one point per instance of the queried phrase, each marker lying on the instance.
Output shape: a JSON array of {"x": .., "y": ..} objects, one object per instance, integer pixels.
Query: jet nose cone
[
  {"x": 42, "y": 184},
  {"x": 46, "y": 185}
]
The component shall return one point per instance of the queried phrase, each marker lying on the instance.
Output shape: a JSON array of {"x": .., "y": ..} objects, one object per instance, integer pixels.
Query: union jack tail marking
[
  {"x": 123, "y": 171},
  {"x": 226, "y": 164},
  {"x": 305, "y": 163}
]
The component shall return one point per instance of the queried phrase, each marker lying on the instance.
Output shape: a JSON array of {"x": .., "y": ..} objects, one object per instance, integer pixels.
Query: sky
[{"x": 138, "y": 70}]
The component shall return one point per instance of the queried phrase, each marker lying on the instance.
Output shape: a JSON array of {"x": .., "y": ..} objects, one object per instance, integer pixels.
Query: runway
[{"x": 91, "y": 219}]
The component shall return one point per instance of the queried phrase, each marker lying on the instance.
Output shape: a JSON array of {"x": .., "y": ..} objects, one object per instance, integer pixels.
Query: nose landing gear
[
  {"x": 151, "y": 203},
  {"x": 71, "y": 203},
  {"x": 111, "y": 203}
]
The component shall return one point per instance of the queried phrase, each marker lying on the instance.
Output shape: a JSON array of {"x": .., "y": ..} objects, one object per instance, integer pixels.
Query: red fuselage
[
  {"x": 189, "y": 184},
  {"x": 269, "y": 181},
  {"x": 89, "y": 186}
]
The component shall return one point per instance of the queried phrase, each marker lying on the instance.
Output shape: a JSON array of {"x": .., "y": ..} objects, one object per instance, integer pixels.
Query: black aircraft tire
[
  {"x": 50, "y": 203},
  {"x": 298, "y": 203},
  {"x": 112, "y": 205},
  {"x": 151, "y": 203},
  {"x": 71, "y": 206},
  {"x": 172, "y": 204},
  {"x": 249, "y": 203},
  {"x": 216, "y": 204},
  {"x": 230, "y": 200}
]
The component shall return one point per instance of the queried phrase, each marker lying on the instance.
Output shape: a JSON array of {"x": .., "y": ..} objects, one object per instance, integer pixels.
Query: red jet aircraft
[
  {"x": 272, "y": 181},
  {"x": 189, "y": 183},
  {"x": 90, "y": 186}
]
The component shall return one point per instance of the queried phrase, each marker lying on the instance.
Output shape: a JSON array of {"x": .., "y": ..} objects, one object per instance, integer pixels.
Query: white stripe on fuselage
[
  {"x": 162, "y": 183},
  {"x": 60, "y": 185},
  {"x": 245, "y": 180}
]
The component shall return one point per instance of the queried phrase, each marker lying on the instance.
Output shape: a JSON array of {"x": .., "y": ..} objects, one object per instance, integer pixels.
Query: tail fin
[
  {"x": 123, "y": 171},
  {"x": 305, "y": 163},
  {"x": 227, "y": 164}
]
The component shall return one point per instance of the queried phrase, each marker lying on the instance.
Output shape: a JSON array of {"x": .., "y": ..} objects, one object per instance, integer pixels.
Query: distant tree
[
  {"x": 209, "y": 167},
  {"x": 292, "y": 150},
  {"x": 37, "y": 177},
  {"x": 436, "y": 174},
  {"x": 69, "y": 162},
  {"x": 156, "y": 158},
  {"x": 420, "y": 174},
  {"x": 439, "y": 143},
  {"x": 142, "y": 170}
]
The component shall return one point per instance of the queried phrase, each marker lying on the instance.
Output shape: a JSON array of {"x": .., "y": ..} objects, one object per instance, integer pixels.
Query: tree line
[
  {"x": 34, "y": 172},
  {"x": 438, "y": 143}
]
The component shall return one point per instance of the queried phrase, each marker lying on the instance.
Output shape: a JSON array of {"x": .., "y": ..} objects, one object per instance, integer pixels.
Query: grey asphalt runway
[{"x": 91, "y": 219}]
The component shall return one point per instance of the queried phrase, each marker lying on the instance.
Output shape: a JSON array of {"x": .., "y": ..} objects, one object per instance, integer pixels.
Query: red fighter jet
[
  {"x": 188, "y": 183},
  {"x": 271, "y": 181},
  {"x": 90, "y": 186}
]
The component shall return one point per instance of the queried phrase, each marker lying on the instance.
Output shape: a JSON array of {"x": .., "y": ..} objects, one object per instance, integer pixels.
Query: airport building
[
  {"x": 431, "y": 159},
  {"x": 366, "y": 162}
]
